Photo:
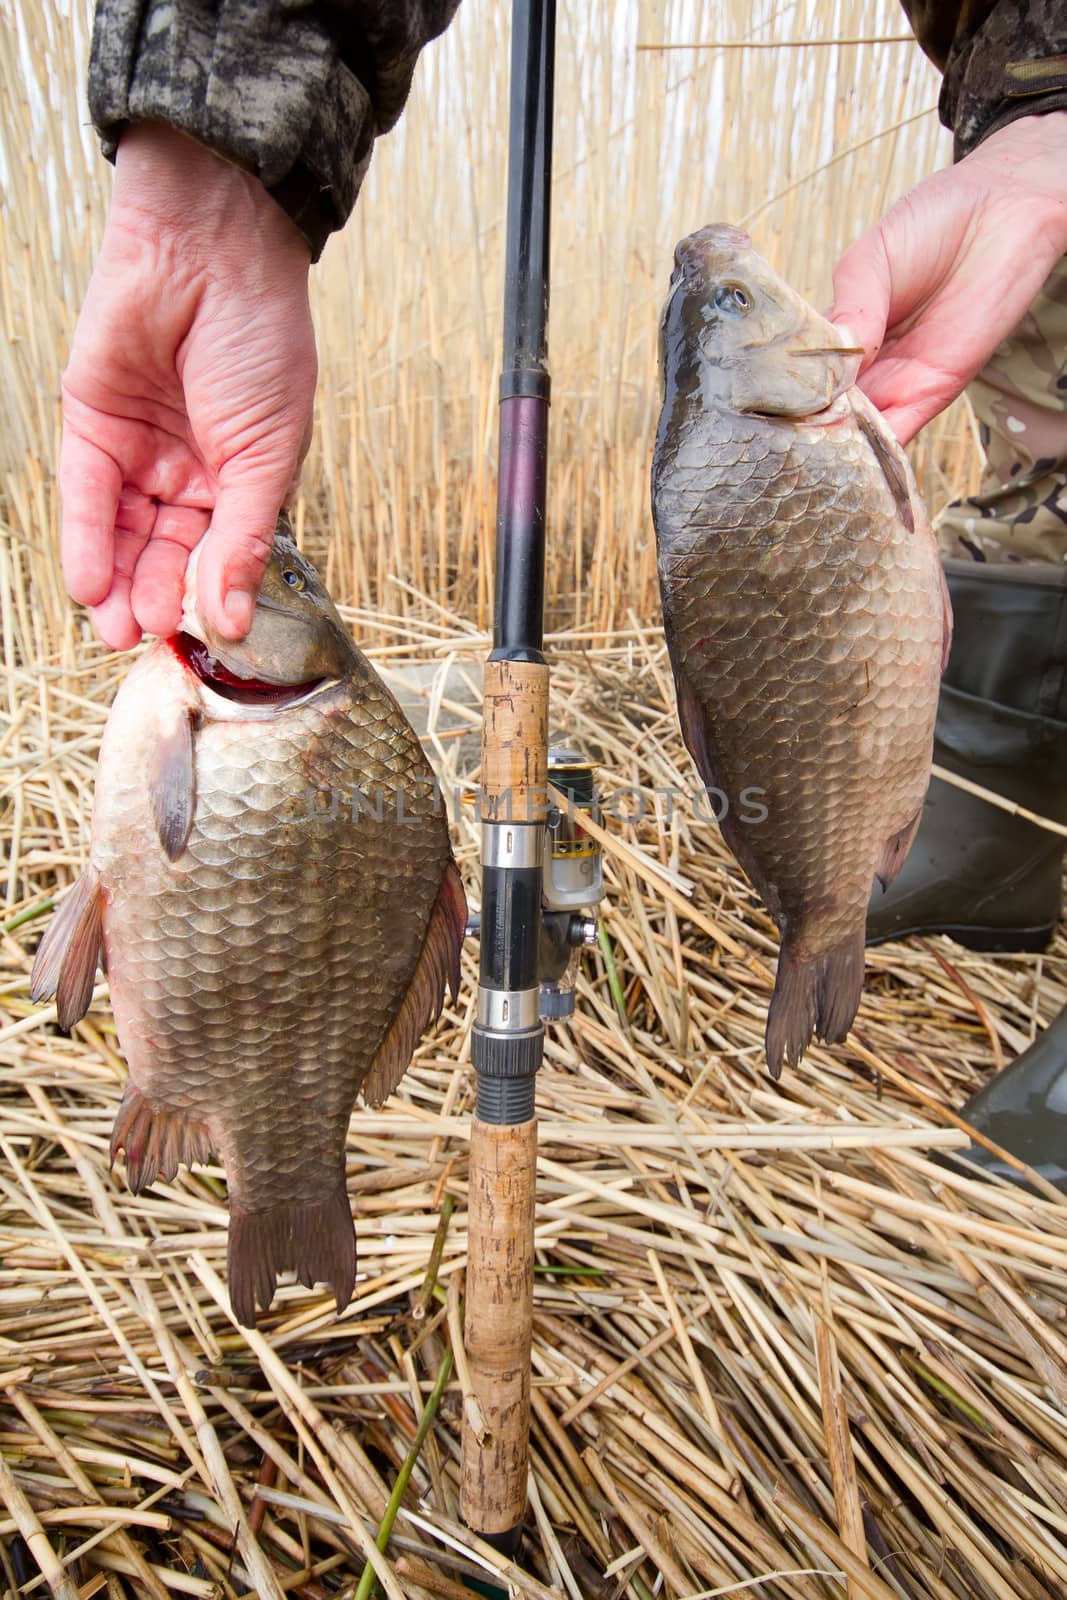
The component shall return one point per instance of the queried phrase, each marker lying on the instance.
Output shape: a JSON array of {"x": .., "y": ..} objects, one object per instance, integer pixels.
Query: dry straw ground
[{"x": 780, "y": 1348}]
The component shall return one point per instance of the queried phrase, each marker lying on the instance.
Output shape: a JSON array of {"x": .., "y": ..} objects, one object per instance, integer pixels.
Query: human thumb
[
  {"x": 238, "y": 546},
  {"x": 862, "y": 290}
]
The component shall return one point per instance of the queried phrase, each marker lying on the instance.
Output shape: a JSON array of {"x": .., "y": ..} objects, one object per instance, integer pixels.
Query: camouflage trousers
[{"x": 1020, "y": 400}]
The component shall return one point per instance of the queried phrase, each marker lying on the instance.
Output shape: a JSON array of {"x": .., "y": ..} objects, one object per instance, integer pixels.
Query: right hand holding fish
[
  {"x": 932, "y": 289},
  {"x": 187, "y": 400}
]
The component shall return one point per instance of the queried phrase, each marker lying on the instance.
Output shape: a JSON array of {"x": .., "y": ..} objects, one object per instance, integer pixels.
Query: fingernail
[{"x": 238, "y": 606}]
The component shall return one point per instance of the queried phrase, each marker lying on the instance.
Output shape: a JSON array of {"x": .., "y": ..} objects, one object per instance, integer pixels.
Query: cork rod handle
[
  {"x": 514, "y": 786},
  {"x": 498, "y": 1323}
]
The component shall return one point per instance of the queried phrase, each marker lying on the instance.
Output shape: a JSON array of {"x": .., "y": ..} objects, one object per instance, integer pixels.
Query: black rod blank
[
  {"x": 533, "y": 38},
  {"x": 518, "y": 627}
]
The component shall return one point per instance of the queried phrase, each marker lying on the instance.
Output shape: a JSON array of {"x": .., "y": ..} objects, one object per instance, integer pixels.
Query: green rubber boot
[
  {"x": 989, "y": 879},
  {"x": 1024, "y": 1110}
]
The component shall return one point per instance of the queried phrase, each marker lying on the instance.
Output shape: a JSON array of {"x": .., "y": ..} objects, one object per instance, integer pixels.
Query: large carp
[
  {"x": 271, "y": 884},
  {"x": 805, "y": 613}
]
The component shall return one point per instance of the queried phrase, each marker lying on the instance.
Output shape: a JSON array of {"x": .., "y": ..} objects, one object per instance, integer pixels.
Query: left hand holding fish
[{"x": 932, "y": 289}]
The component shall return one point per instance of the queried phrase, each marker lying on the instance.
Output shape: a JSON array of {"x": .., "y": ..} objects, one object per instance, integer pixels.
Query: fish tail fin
[
  {"x": 71, "y": 950},
  {"x": 438, "y": 969},
  {"x": 157, "y": 1141},
  {"x": 814, "y": 996},
  {"x": 317, "y": 1241}
]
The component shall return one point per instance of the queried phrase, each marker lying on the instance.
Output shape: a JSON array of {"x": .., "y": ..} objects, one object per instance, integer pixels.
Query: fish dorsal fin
[
  {"x": 893, "y": 470},
  {"x": 694, "y": 725},
  {"x": 438, "y": 969},
  {"x": 697, "y": 733},
  {"x": 71, "y": 950}
]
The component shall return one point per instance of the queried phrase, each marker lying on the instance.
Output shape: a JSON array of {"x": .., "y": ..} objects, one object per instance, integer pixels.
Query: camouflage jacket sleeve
[
  {"x": 295, "y": 91},
  {"x": 1001, "y": 59}
]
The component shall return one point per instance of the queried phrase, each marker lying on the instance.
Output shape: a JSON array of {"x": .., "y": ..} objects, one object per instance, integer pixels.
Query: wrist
[
  {"x": 168, "y": 184},
  {"x": 1031, "y": 150}
]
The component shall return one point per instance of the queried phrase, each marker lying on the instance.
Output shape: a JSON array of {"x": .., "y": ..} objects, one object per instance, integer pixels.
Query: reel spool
[{"x": 572, "y": 879}]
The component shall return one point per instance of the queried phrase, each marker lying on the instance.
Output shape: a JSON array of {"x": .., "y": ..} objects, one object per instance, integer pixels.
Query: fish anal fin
[
  {"x": 893, "y": 470},
  {"x": 814, "y": 997},
  {"x": 172, "y": 783},
  {"x": 896, "y": 849},
  {"x": 437, "y": 969},
  {"x": 157, "y": 1141},
  {"x": 316, "y": 1241},
  {"x": 71, "y": 950}
]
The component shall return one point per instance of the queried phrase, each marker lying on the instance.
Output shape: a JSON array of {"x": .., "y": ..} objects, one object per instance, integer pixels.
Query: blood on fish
[{"x": 251, "y": 691}]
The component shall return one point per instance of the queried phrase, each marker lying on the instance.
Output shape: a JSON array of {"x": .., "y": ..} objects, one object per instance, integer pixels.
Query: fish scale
[
  {"x": 804, "y": 612},
  {"x": 286, "y": 952}
]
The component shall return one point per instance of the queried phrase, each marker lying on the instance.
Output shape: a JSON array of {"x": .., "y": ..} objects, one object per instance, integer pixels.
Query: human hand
[
  {"x": 187, "y": 400},
  {"x": 950, "y": 270}
]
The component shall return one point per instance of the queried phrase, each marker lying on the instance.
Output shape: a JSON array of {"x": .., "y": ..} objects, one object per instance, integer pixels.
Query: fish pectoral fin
[
  {"x": 896, "y": 848},
  {"x": 946, "y": 620},
  {"x": 892, "y": 469},
  {"x": 437, "y": 969},
  {"x": 814, "y": 997},
  {"x": 172, "y": 784},
  {"x": 157, "y": 1140},
  {"x": 316, "y": 1240},
  {"x": 71, "y": 950}
]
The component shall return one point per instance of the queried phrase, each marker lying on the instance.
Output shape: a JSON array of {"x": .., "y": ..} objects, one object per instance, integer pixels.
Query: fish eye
[
  {"x": 731, "y": 298},
  {"x": 293, "y": 579}
]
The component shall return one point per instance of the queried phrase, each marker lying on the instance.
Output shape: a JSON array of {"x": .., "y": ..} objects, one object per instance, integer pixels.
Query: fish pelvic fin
[
  {"x": 156, "y": 1141},
  {"x": 438, "y": 969},
  {"x": 316, "y": 1240},
  {"x": 896, "y": 849},
  {"x": 814, "y": 997},
  {"x": 64, "y": 967}
]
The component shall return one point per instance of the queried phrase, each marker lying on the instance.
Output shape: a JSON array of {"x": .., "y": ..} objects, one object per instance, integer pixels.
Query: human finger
[
  {"x": 113, "y": 618},
  {"x": 238, "y": 546},
  {"x": 908, "y": 392},
  {"x": 159, "y": 576},
  {"x": 90, "y": 482},
  {"x": 863, "y": 284}
]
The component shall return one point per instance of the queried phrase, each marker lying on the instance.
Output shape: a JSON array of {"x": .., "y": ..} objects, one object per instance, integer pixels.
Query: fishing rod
[
  {"x": 507, "y": 1042},
  {"x": 537, "y": 866}
]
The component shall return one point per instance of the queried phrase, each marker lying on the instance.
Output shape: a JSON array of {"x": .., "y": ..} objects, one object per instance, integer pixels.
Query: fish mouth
[
  {"x": 222, "y": 680},
  {"x": 838, "y": 409}
]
